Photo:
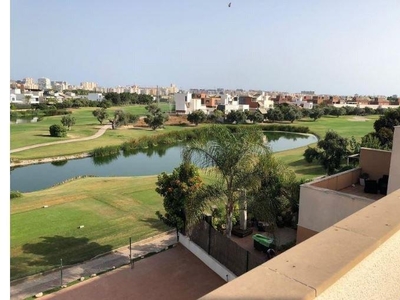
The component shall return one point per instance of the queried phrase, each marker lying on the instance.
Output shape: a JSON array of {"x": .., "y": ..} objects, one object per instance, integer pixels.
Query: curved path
[{"x": 98, "y": 134}]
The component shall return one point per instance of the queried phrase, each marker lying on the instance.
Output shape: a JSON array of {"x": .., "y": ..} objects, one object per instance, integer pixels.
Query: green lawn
[
  {"x": 26, "y": 134},
  {"x": 111, "y": 209}
]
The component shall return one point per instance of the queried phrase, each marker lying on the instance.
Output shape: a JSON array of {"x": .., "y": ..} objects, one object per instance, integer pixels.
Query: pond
[
  {"x": 24, "y": 120},
  {"x": 148, "y": 162}
]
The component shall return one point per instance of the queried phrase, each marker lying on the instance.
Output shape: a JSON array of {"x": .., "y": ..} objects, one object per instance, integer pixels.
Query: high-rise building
[
  {"x": 29, "y": 83},
  {"x": 89, "y": 86},
  {"x": 44, "y": 83}
]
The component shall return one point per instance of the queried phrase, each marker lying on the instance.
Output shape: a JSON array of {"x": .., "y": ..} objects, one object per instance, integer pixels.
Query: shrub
[
  {"x": 15, "y": 194},
  {"x": 105, "y": 151},
  {"x": 57, "y": 131}
]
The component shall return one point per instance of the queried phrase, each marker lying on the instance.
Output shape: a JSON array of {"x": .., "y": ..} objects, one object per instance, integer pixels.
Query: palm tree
[{"x": 231, "y": 155}]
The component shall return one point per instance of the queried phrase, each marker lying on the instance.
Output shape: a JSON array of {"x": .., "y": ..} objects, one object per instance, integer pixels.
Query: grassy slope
[
  {"x": 111, "y": 209},
  {"x": 26, "y": 134}
]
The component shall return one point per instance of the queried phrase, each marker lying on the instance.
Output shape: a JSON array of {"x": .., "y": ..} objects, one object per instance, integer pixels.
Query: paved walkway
[
  {"x": 98, "y": 134},
  {"x": 22, "y": 289}
]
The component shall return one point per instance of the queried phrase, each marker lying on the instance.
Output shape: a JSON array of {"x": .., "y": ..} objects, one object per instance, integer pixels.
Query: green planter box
[{"x": 261, "y": 242}]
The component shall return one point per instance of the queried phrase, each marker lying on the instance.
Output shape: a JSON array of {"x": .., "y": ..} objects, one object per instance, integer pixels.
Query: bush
[
  {"x": 106, "y": 151},
  {"x": 57, "y": 131},
  {"x": 15, "y": 194}
]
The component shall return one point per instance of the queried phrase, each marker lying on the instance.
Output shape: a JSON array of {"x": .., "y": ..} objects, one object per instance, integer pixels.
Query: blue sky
[{"x": 334, "y": 47}]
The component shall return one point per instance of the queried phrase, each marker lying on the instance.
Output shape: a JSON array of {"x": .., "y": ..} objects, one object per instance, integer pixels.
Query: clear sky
[{"x": 334, "y": 47}]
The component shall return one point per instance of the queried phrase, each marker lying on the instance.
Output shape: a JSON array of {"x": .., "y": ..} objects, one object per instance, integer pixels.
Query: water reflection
[{"x": 137, "y": 162}]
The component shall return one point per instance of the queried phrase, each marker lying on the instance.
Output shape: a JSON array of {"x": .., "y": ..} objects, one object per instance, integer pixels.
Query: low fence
[{"x": 224, "y": 250}]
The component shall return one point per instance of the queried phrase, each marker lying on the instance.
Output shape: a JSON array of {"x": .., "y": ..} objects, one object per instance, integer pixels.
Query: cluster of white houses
[{"x": 187, "y": 102}]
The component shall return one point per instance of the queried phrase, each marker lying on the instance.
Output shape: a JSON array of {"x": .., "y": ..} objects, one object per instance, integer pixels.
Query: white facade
[
  {"x": 304, "y": 104},
  {"x": 182, "y": 102},
  {"x": 95, "y": 96},
  {"x": 31, "y": 97},
  {"x": 89, "y": 86},
  {"x": 264, "y": 101}
]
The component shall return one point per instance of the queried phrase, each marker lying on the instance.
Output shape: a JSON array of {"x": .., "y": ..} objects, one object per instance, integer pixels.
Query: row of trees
[
  {"x": 127, "y": 98},
  {"x": 155, "y": 118},
  {"x": 281, "y": 112}
]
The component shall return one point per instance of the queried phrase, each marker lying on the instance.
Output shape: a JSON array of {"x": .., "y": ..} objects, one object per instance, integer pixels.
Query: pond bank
[{"x": 27, "y": 162}]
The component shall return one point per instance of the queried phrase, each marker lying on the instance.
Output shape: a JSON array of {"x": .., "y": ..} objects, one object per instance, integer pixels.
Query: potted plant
[{"x": 364, "y": 176}]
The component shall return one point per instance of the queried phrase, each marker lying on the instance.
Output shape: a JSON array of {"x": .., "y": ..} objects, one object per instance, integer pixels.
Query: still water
[{"x": 150, "y": 162}]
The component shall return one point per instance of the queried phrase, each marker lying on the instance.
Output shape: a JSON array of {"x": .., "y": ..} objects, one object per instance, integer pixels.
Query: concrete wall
[
  {"x": 375, "y": 162},
  {"x": 340, "y": 181},
  {"x": 321, "y": 208},
  {"x": 394, "y": 173},
  {"x": 303, "y": 234},
  {"x": 212, "y": 263}
]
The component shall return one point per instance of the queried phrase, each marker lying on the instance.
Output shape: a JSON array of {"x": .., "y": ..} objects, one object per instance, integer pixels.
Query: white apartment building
[
  {"x": 44, "y": 83},
  {"x": 31, "y": 97},
  {"x": 59, "y": 85},
  {"x": 95, "y": 96},
  {"x": 89, "y": 86},
  {"x": 29, "y": 83},
  {"x": 184, "y": 103}
]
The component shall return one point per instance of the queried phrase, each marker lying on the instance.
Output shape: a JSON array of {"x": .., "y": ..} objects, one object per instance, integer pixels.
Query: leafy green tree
[
  {"x": 337, "y": 111},
  {"x": 256, "y": 117},
  {"x": 274, "y": 114},
  {"x": 330, "y": 152},
  {"x": 57, "y": 131},
  {"x": 122, "y": 118},
  {"x": 369, "y": 110},
  {"x": 197, "y": 117},
  {"x": 278, "y": 191},
  {"x": 231, "y": 155},
  {"x": 217, "y": 116},
  {"x": 370, "y": 140},
  {"x": 155, "y": 117},
  {"x": 316, "y": 113},
  {"x": 236, "y": 116},
  {"x": 114, "y": 97},
  {"x": 105, "y": 103},
  {"x": 358, "y": 111},
  {"x": 354, "y": 146},
  {"x": 179, "y": 190},
  {"x": 68, "y": 121},
  {"x": 384, "y": 129},
  {"x": 145, "y": 99},
  {"x": 100, "y": 114},
  {"x": 292, "y": 114},
  {"x": 349, "y": 110}
]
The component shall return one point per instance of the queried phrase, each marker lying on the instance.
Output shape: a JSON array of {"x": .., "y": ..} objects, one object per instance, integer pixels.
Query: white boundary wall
[{"x": 211, "y": 262}]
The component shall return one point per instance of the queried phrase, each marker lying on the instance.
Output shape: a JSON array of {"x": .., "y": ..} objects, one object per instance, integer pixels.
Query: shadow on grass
[
  {"x": 307, "y": 168},
  {"x": 46, "y": 135},
  {"x": 70, "y": 249},
  {"x": 155, "y": 223},
  {"x": 306, "y": 121}
]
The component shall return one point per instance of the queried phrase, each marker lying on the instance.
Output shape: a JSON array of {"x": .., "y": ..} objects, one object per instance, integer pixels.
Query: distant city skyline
[{"x": 331, "y": 47}]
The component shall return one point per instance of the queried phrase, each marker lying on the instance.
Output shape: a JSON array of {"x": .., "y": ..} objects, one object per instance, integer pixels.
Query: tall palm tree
[{"x": 231, "y": 155}]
